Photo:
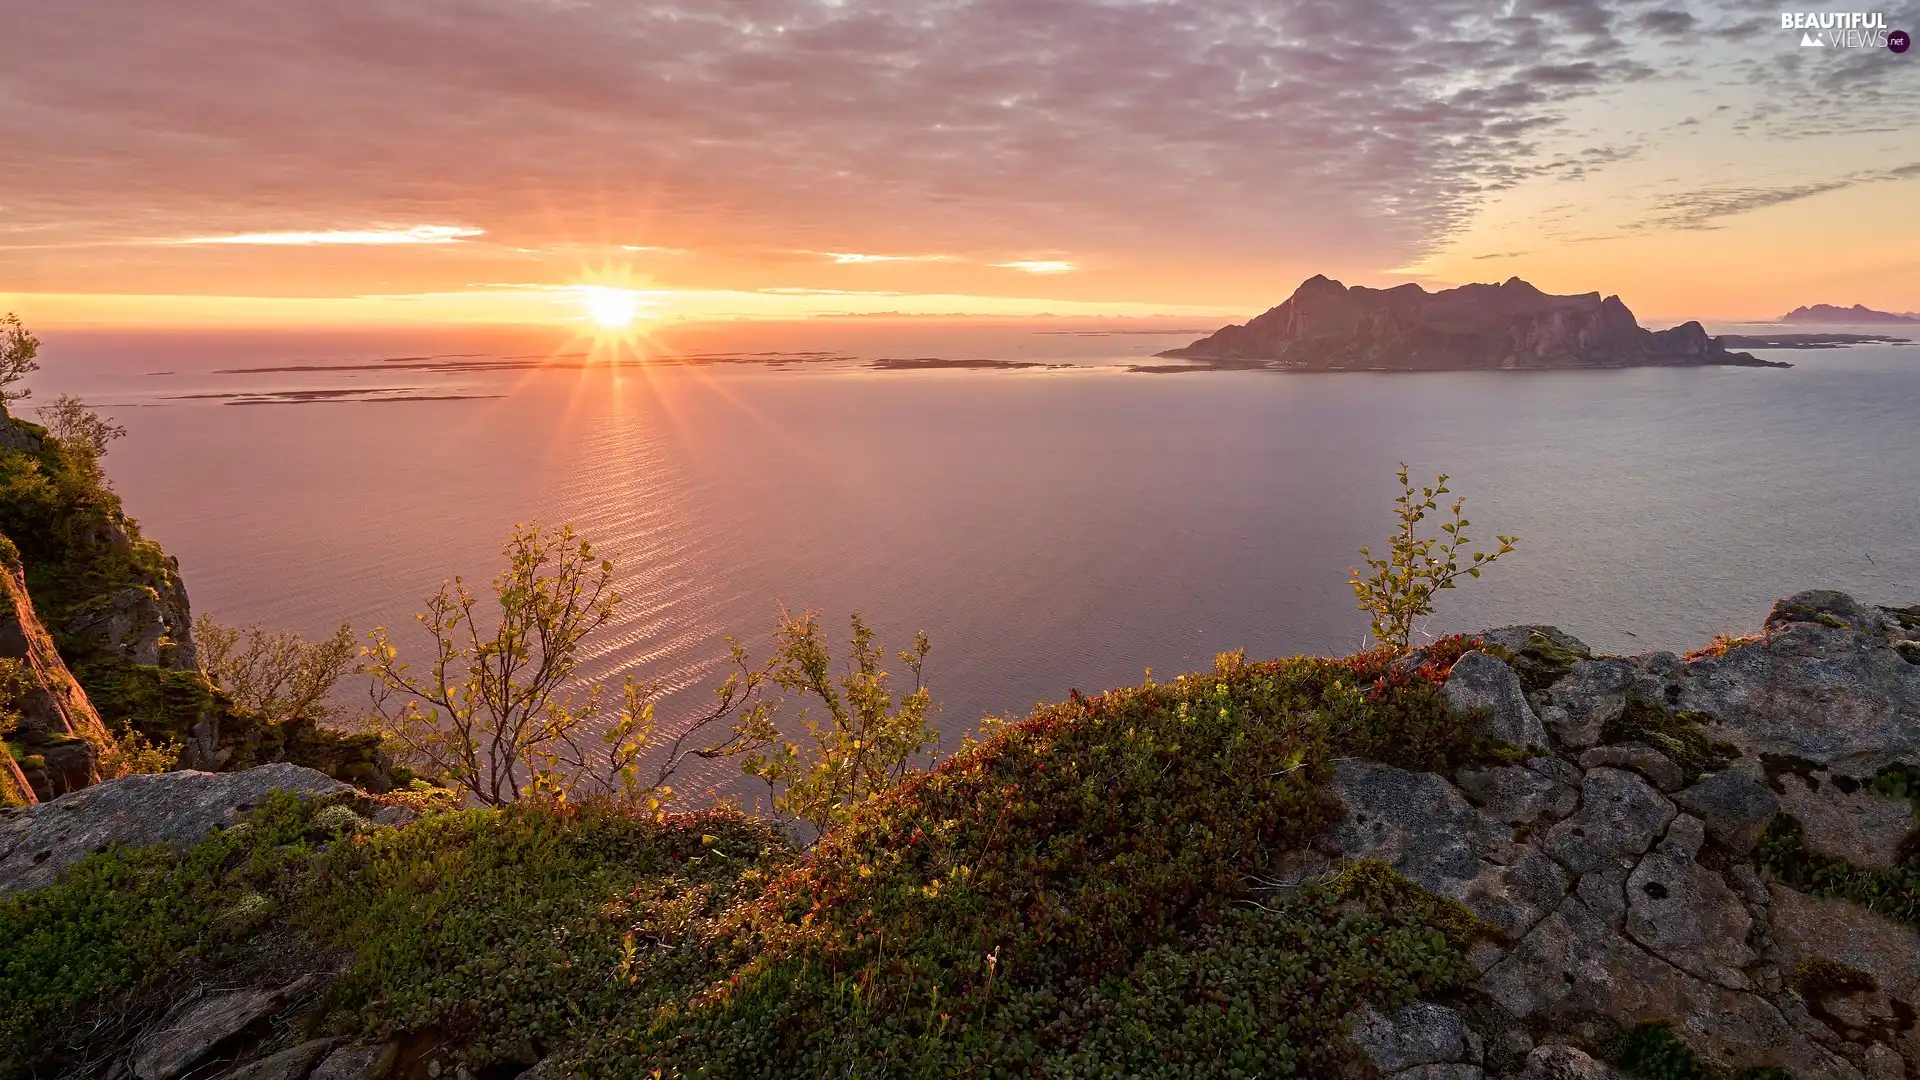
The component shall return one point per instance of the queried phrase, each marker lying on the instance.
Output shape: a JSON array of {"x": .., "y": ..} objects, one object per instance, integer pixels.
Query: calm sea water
[{"x": 1050, "y": 528}]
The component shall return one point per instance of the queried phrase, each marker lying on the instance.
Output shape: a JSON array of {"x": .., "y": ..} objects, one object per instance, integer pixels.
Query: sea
[{"x": 1068, "y": 523}]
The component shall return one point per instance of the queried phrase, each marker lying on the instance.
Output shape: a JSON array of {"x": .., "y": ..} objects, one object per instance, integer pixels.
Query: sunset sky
[{"x": 299, "y": 163}]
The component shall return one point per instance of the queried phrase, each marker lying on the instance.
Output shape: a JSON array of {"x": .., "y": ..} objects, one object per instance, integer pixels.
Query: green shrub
[{"x": 1402, "y": 583}]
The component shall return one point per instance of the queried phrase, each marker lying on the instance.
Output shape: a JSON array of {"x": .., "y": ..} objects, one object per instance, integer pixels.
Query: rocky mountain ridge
[{"x": 1325, "y": 325}]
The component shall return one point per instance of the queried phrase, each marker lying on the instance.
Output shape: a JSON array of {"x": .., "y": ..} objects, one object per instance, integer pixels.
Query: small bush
[{"x": 1402, "y": 583}]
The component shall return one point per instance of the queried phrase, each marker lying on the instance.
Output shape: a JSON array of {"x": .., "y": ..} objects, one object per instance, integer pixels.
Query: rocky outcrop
[
  {"x": 61, "y": 741},
  {"x": 138, "y": 624},
  {"x": 38, "y": 842},
  {"x": 1622, "y": 865},
  {"x": 1328, "y": 326}
]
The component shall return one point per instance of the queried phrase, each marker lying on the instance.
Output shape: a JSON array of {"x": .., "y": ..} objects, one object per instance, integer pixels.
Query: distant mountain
[
  {"x": 1325, "y": 325},
  {"x": 1857, "y": 315}
]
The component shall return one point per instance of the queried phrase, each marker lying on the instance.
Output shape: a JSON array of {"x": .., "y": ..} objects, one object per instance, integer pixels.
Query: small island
[
  {"x": 1327, "y": 326},
  {"x": 1857, "y": 315}
]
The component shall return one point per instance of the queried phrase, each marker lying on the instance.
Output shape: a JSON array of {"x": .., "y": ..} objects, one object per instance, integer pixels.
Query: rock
[
  {"x": 1449, "y": 1071},
  {"x": 1619, "y": 815},
  {"x": 394, "y": 815},
  {"x": 1327, "y": 325},
  {"x": 198, "y": 1029},
  {"x": 1639, "y": 757},
  {"x": 1828, "y": 608},
  {"x": 1418, "y": 1033},
  {"x": 1593, "y": 695},
  {"x": 1685, "y": 914},
  {"x": 1517, "y": 795},
  {"x": 1574, "y": 971},
  {"x": 1684, "y": 839},
  {"x": 1480, "y": 683},
  {"x": 1430, "y": 833},
  {"x": 57, "y": 725},
  {"x": 1564, "y": 1063},
  {"x": 1810, "y": 929},
  {"x": 1845, "y": 818},
  {"x": 176, "y": 808},
  {"x": 1824, "y": 694},
  {"x": 127, "y": 623},
  {"x": 357, "y": 1063},
  {"x": 15, "y": 436},
  {"x": 293, "y": 1063},
  {"x": 1735, "y": 807}
]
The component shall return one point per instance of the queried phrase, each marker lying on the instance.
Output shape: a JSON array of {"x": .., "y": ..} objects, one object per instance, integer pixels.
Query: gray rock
[
  {"x": 1480, "y": 683},
  {"x": 1593, "y": 695},
  {"x": 1554, "y": 768},
  {"x": 1517, "y": 795},
  {"x": 1619, "y": 815},
  {"x": 390, "y": 814},
  {"x": 1828, "y": 695},
  {"x": 1519, "y": 638},
  {"x": 129, "y": 623},
  {"x": 1685, "y": 837},
  {"x": 293, "y": 1063},
  {"x": 356, "y": 1063},
  {"x": 1418, "y": 1033},
  {"x": 1685, "y": 914},
  {"x": 176, "y": 808},
  {"x": 1604, "y": 891},
  {"x": 1448, "y": 1071},
  {"x": 1564, "y": 1063},
  {"x": 1574, "y": 970},
  {"x": 1887, "y": 951},
  {"x": 1826, "y": 607},
  {"x": 1430, "y": 833},
  {"x": 1735, "y": 805},
  {"x": 14, "y": 436},
  {"x": 1845, "y": 818},
  {"x": 196, "y": 1030},
  {"x": 1639, "y": 757}
]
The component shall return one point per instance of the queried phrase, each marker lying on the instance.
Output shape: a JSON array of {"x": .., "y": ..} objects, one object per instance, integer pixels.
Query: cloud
[
  {"x": 1040, "y": 266},
  {"x": 418, "y": 234},
  {"x": 1369, "y": 128},
  {"x": 856, "y": 257},
  {"x": 1704, "y": 208}
]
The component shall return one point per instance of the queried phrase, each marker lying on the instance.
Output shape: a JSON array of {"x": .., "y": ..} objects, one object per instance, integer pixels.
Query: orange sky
[{"x": 476, "y": 162}]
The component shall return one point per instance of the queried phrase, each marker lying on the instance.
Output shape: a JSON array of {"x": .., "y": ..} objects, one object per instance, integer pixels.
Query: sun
[{"x": 610, "y": 308}]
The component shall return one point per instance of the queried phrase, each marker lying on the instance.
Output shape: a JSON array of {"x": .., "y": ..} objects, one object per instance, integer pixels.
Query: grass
[{"x": 1034, "y": 906}]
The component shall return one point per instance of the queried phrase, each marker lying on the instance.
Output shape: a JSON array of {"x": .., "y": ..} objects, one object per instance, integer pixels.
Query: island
[
  {"x": 1327, "y": 326},
  {"x": 1857, "y": 315}
]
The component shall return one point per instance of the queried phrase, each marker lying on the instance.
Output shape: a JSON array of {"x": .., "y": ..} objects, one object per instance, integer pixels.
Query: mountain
[
  {"x": 1325, "y": 325},
  {"x": 1857, "y": 315}
]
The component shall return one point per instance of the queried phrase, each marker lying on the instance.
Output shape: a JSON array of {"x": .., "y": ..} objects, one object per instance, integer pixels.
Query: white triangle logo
[{"x": 1808, "y": 41}]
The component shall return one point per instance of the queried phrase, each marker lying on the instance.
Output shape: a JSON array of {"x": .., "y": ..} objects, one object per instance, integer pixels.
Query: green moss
[
  {"x": 1654, "y": 1052},
  {"x": 1681, "y": 736}
]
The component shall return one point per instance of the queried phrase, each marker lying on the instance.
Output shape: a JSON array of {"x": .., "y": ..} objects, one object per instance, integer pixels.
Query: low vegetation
[{"x": 1035, "y": 902}]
